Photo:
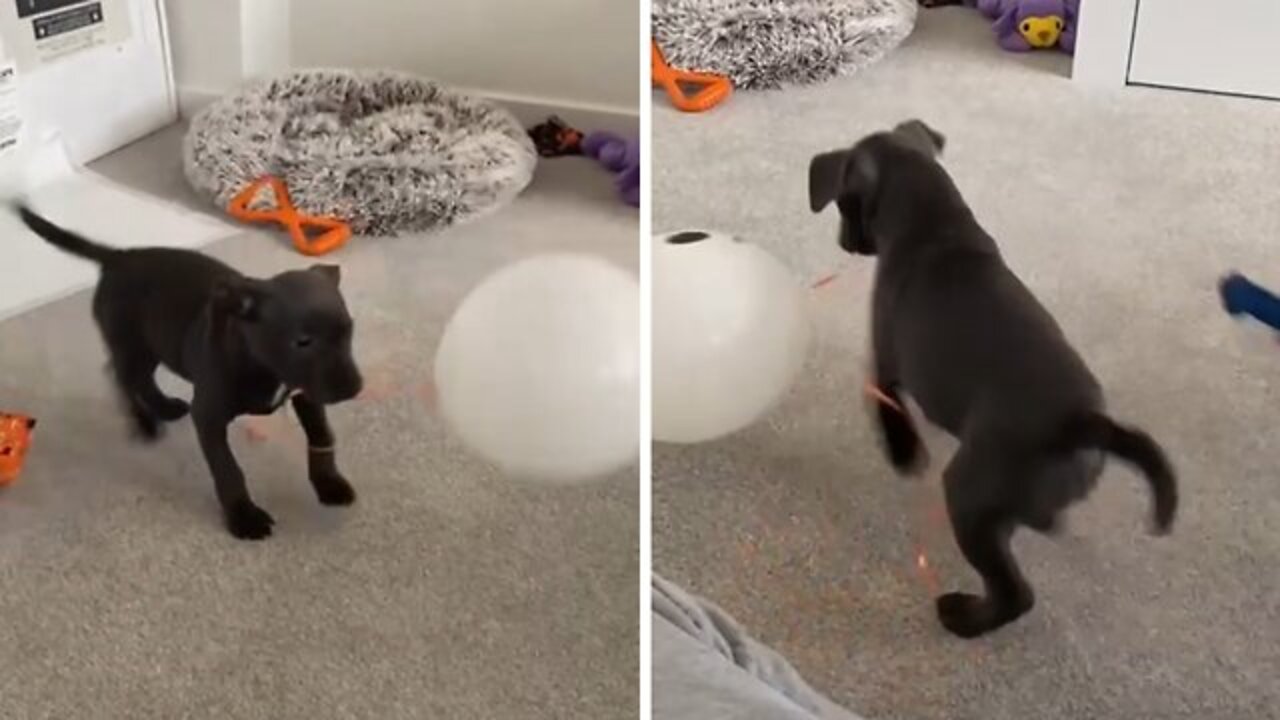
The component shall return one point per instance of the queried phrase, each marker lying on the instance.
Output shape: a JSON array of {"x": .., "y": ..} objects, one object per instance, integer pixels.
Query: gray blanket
[{"x": 706, "y": 668}]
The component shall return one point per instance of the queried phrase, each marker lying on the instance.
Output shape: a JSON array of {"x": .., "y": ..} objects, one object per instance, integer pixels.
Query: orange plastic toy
[
  {"x": 334, "y": 232},
  {"x": 15, "y": 438},
  {"x": 706, "y": 90}
]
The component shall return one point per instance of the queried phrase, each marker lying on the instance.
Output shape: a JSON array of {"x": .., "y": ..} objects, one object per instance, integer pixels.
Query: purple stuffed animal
[
  {"x": 622, "y": 156},
  {"x": 1023, "y": 25}
]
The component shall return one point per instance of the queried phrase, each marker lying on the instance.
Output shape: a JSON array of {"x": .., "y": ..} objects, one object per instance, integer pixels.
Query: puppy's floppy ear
[
  {"x": 238, "y": 297},
  {"x": 838, "y": 173},
  {"x": 332, "y": 272},
  {"x": 922, "y": 137},
  {"x": 826, "y": 178},
  {"x": 847, "y": 177}
]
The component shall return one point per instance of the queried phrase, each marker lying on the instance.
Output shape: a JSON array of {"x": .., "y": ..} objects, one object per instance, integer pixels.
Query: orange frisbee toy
[
  {"x": 15, "y": 438},
  {"x": 333, "y": 232},
  {"x": 704, "y": 90}
]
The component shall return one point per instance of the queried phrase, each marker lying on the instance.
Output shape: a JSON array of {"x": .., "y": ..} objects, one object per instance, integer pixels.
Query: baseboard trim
[
  {"x": 528, "y": 110},
  {"x": 584, "y": 116},
  {"x": 193, "y": 100}
]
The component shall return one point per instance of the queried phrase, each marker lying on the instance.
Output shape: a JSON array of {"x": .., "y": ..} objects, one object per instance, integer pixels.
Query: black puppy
[
  {"x": 245, "y": 344},
  {"x": 955, "y": 329}
]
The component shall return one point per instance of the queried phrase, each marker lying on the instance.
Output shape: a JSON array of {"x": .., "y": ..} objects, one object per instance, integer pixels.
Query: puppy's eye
[
  {"x": 1026, "y": 27},
  {"x": 6, "y": 450},
  {"x": 303, "y": 341}
]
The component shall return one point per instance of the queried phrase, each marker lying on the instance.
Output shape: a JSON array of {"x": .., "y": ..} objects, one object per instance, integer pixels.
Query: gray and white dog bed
[
  {"x": 769, "y": 43},
  {"x": 387, "y": 152}
]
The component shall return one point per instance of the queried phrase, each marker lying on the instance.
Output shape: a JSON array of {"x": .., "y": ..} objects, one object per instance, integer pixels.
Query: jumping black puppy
[
  {"x": 245, "y": 344},
  {"x": 955, "y": 329}
]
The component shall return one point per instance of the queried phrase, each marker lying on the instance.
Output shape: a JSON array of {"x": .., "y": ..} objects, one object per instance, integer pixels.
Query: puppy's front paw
[
  {"x": 964, "y": 615},
  {"x": 333, "y": 489},
  {"x": 247, "y": 521}
]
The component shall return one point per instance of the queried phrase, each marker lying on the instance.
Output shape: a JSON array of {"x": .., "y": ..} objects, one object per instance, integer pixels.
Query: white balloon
[
  {"x": 729, "y": 334},
  {"x": 538, "y": 370}
]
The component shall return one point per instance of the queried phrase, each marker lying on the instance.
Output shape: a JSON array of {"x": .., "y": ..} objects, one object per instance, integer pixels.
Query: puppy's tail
[
  {"x": 1097, "y": 431},
  {"x": 63, "y": 239}
]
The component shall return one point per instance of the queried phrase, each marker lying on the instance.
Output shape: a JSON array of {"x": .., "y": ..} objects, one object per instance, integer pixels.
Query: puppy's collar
[{"x": 283, "y": 393}]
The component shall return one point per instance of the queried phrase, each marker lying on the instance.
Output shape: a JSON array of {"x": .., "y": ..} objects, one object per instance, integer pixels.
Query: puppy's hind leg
[
  {"x": 135, "y": 374},
  {"x": 166, "y": 408},
  {"x": 983, "y": 529},
  {"x": 901, "y": 441},
  {"x": 134, "y": 368},
  {"x": 127, "y": 371}
]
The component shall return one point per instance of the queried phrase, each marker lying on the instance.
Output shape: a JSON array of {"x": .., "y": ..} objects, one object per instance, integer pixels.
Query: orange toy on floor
[
  {"x": 15, "y": 438},
  {"x": 708, "y": 89},
  {"x": 334, "y": 231}
]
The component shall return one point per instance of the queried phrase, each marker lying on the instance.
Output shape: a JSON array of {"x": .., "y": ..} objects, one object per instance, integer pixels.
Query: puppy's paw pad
[
  {"x": 334, "y": 490},
  {"x": 963, "y": 615},
  {"x": 249, "y": 522}
]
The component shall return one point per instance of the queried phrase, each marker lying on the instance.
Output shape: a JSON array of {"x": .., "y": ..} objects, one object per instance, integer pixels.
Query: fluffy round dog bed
[
  {"x": 769, "y": 43},
  {"x": 387, "y": 152}
]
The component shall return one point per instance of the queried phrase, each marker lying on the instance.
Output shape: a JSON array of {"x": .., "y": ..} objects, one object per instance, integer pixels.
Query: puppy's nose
[{"x": 1044, "y": 35}]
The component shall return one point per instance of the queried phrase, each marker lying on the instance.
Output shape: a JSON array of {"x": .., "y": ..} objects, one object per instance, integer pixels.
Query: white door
[
  {"x": 99, "y": 91},
  {"x": 1226, "y": 46},
  {"x": 93, "y": 75}
]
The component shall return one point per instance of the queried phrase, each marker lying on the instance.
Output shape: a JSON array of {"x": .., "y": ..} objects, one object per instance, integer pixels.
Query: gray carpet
[
  {"x": 447, "y": 592},
  {"x": 1120, "y": 210}
]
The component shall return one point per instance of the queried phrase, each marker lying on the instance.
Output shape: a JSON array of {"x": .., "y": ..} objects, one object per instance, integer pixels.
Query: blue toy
[{"x": 1240, "y": 296}]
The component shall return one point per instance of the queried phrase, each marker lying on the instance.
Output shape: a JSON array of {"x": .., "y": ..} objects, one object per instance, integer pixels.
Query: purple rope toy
[{"x": 620, "y": 155}]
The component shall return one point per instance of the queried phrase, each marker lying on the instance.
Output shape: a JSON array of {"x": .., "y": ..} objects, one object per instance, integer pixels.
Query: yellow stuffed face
[{"x": 1041, "y": 32}]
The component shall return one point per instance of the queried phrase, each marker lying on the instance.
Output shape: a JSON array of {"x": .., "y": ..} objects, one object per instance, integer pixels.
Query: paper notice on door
[
  {"x": 39, "y": 32},
  {"x": 10, "y": 115}
]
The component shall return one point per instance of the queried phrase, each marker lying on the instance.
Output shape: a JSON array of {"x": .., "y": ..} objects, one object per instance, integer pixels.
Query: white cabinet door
[
  {"x": 1227, "y": 46},
  {"x": 100, "y": 98}
]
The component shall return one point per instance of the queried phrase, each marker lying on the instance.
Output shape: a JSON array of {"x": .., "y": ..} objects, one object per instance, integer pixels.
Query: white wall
[
  {"x": 264, "y": 37},
  {"x": 558, "y": 52},
  {"x": 204, "y": 40},
  {"x": 218, "y": 44},
  {"x": 563, "y": 53}
]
